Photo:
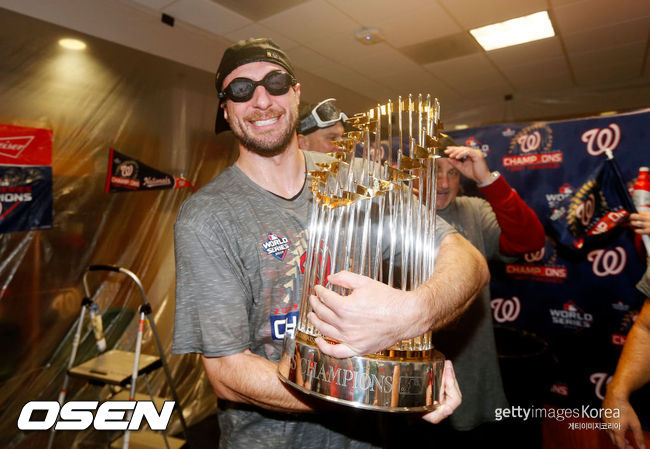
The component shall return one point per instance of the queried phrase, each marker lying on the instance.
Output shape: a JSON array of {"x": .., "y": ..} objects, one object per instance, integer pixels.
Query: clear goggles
[{"x": 326, "y": 114}]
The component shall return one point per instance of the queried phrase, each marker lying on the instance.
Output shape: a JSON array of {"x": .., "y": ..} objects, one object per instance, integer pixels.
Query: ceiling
[{"x": 597, "y": 62}]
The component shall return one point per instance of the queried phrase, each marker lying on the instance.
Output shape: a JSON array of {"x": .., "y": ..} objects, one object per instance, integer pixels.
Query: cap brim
[
  {"x": 348, "y": 127},
  {"x": 447, "y": 141},
  {"x": 221, "y": 124}
]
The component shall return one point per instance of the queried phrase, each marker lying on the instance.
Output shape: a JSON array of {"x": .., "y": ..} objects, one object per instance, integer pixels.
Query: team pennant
[
  {"x": 126, "y": 174},
  {"x": 597, "y": 207}
]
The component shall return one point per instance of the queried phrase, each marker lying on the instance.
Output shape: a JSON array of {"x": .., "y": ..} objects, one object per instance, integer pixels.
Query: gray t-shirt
[
  {"x": 469, "y": 341},
  {"x": 239, "y": 251},
  {"x": 644, "y": 283}
]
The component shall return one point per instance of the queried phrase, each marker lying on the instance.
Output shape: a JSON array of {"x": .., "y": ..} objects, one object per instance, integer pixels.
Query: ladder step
[
  {"x": 148, "y": 440},
  {"x": 114, "y": 367}
]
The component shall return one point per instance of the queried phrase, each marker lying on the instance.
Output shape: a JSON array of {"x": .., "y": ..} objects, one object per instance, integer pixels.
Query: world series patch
[{"x": 276, "y": 246}]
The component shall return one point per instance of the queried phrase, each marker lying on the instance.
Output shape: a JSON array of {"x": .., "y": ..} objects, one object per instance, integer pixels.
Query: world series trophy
[{"x": 374, "y": 218}]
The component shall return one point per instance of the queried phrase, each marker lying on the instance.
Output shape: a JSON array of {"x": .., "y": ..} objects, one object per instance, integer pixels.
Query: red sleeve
[
  {"x": 638, "y": 244},
  {"x": 521, "y": 230}
]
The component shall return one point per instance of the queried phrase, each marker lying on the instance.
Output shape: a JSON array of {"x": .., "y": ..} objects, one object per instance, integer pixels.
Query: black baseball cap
[{"x": 244, "y": 52}]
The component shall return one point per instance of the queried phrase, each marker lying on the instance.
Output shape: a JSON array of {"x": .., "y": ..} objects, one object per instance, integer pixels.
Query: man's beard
[{"x": 265, "y": 148}]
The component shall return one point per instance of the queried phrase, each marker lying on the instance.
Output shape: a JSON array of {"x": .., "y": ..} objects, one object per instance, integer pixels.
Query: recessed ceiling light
[
  {"x": 461, "y": 126},
  {"x": 368, "y": 35},
  {"x": 514, "y": 31},
  {"x": 72, "y": 44},
  {"x": 606, "y": 113}
]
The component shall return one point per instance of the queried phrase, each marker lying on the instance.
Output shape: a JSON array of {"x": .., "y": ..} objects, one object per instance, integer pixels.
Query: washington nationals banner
[
  {"x": 25, "y": 178},
  {"x": 580, "y": 303},
  {"x": 126, "y": 174}
]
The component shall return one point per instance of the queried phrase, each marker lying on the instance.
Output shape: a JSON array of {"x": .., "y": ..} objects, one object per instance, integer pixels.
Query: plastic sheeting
[{"x": 154, "y": 110}]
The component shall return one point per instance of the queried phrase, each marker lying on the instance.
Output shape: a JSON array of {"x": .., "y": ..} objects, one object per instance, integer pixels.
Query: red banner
[{"x": 25, "y": 146}]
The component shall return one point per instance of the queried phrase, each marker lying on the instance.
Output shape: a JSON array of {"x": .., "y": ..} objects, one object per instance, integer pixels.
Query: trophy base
[{"x": 374, "y": 382}]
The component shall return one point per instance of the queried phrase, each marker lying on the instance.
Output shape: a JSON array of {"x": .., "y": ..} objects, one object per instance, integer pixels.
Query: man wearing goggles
[
  {"x": 255, "y": 102},
  {"x": 320, "y": 125},
  {"x": 239, "y": 242}
]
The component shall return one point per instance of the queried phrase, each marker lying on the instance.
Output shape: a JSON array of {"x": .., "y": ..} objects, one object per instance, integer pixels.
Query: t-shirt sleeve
[
  {"x": 211, "y": 295},
  {"x": 443, "y": 229},
  {"x": 644, "y": 283},
  {"x": 491, "y": 231}
]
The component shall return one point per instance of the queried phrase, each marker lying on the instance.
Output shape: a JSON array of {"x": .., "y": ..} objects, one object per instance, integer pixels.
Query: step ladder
[
  {"x": 119, "y": 368},
  {"x": 145, "y": 439}
]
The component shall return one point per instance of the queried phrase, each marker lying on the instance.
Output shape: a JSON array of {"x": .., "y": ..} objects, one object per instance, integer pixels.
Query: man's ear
[
  {"x": 296, "y": 88},
  {"x": 225, "y": 110},
  {"x": 303, "y": 142}
]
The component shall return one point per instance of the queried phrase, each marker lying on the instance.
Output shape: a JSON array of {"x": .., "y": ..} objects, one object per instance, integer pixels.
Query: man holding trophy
[{"x": 241, "y": 243}]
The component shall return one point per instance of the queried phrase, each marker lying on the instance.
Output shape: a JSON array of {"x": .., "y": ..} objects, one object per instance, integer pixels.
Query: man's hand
[
  {"x": 450, "y": 396},
  {"x": 470, "y": 162},
  {"x": 627, "y": 421},
  {"x": 641, "y": 222},
  {"x": 371, "y": 318},
  {"x": 375, "y": 316}
]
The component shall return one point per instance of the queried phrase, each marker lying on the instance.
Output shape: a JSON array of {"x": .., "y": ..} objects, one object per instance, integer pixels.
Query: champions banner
[
  {"x": 126, "y": 174},
  {"x": 578, "y": 293},
  {"x": 25, "y": 178}
]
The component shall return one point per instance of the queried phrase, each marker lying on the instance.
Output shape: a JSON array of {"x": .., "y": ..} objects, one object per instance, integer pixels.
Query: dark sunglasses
[{"x": 242, "y": 89}]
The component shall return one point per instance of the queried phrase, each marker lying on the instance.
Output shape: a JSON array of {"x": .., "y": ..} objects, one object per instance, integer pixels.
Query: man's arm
[
  {"x": 632, "y": 372},
  {"x": 251, "y": 379},
  {"x": 212, "y": 319},
  {"x": 521, "y": 230},
  {"x": 248, "y": 378},
  {"x": 375, "y": 316}
]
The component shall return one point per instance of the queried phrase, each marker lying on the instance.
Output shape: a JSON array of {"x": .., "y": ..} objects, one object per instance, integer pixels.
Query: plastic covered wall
[{"x": 153, "y": 110}]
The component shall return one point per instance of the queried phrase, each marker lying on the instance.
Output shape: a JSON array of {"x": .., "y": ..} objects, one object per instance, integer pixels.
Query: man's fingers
[
  {"x": 619, "y": 440},
  {"x": 347, "y": 279},
  {"x": 453, "y": 396},
  {"x": 612, "y": 437},
  {"x": 322, "y": 310},
  {"x": 339, "y": 351},
  {"x": 463, "y": 153},
  {"x": 450, "y": 396},
  {"x": 330, "y": 299},
  {"x": 436, "y": 416},
  {"x": 638, "y": 435},
  {"x": 458, "y": 158},
  {"x": 324, "y": 328}
]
